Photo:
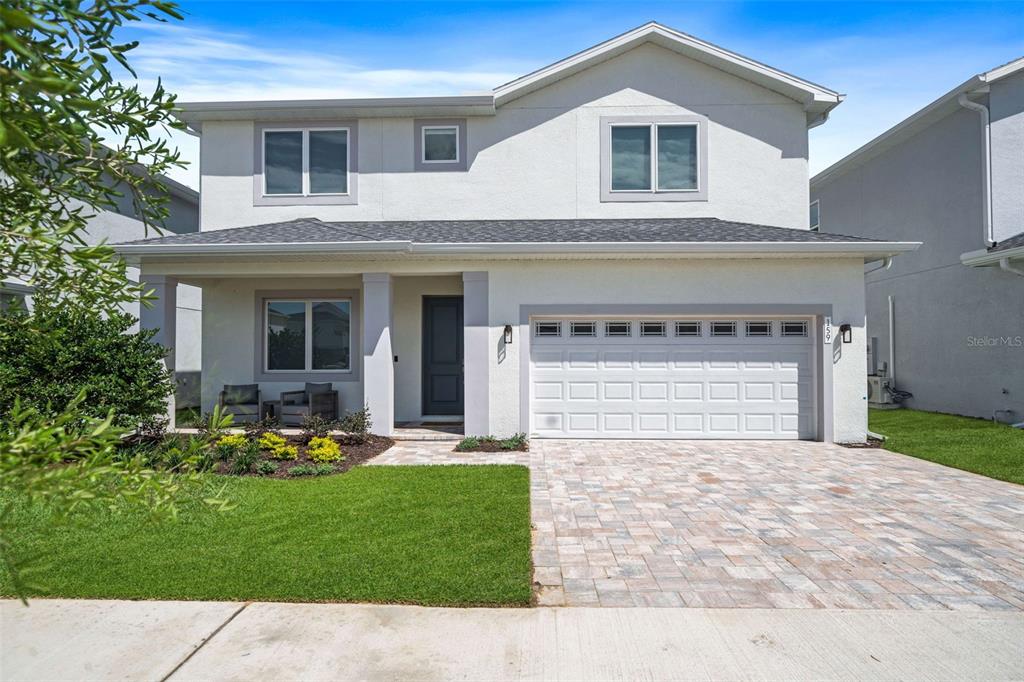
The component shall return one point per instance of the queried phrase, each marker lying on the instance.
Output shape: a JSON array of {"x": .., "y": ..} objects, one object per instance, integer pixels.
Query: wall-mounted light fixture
[
  {"x": 847, "y": 332},
  {"x": 508, "y": 334}
]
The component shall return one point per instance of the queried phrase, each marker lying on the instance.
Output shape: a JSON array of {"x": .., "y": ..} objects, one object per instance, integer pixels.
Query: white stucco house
[{"x": 613, "y": 246}]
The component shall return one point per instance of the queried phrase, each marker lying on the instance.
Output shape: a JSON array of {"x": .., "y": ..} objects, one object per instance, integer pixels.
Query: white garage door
[{"x": 672, "y": 378}]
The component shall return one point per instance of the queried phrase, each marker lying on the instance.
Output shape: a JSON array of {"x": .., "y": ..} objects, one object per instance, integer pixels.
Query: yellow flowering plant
[{"x": 324, "y": 450}]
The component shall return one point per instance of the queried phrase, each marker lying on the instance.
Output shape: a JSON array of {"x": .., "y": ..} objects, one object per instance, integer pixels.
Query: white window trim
[
  {"x": 308, "y": 369},
  {"x": 305, "y": 162},
  {"x": 733, "y": 335},
  {"x": 804, "y": 326},
  {"x": 592, "y": 333},
  {"x": 746, "y": 329},
  {"x": 629, "y": 327},
  {"x": 661, "y": 326},
  {"x": 423, "y": 144},
  {"x": 653, "y": 128},
  {"x": 817, "y": 226},
  {"x": 700, "y": 329}
]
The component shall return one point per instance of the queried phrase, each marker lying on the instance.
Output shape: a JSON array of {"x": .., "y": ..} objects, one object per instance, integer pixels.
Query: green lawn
[
  {"x": 976, "y": 445},
  {"x": 441, "y": 535}
]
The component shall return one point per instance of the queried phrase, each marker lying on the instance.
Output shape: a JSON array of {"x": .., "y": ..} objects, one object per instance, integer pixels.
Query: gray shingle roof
[
  {"x": 632, "y": 230},
  {"x": 1011, "y": 243}
]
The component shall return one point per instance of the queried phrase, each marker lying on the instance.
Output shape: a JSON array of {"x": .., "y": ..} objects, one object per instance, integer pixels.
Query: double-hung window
[
  {"x": 307, "y": 335},
  {"x": 654, "y": 157},
  {"x": 306, "y": 162}
]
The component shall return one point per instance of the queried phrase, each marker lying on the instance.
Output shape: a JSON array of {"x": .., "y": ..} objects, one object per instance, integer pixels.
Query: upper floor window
[
  {"x": 440, "y": 144},
  {"x": 815, "y": 217},
  {"x": 658, "y": 158},
  {"x": 304, "y": 162}
]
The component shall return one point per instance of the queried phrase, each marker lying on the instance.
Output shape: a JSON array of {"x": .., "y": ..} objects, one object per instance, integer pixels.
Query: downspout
[
  {"x": 1004, "y": 265},
  {"x": 986, "y": 158},
  {"x": 892, "y": 342}
]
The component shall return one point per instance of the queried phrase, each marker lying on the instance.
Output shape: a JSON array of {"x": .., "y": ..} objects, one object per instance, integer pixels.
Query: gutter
[
  {"x": 986, "y": 161},
  {"x": 983, "y": 257},
  {"x": 876, "y": 249}
]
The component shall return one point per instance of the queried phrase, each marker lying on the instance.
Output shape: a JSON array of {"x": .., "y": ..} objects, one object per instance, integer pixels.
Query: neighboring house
[
  {"x": 615, "y": 245},
  {"x": 952, "y": 177},
  {"x": 122, "y": 224}
]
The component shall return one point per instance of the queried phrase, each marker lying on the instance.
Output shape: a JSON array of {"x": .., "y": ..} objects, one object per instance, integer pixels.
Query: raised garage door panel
[{"x": 671, "y": 387}]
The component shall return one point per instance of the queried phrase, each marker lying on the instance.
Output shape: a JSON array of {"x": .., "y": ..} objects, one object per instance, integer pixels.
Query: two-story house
[
  {"x": 947, "y": 322},
  {"x": 613, "y": 246}
]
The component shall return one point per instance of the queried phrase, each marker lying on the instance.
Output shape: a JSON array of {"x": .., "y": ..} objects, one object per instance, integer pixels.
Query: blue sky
[{"x": 890, "y": 59}]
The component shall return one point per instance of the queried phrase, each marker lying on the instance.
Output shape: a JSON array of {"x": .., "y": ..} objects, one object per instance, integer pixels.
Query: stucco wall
[
  {"x": 929, "y": 189},
  {"x": 1006, "y": 111},
  {"x": 229, "y": 314},
  {"x": 539, "y": 156}
]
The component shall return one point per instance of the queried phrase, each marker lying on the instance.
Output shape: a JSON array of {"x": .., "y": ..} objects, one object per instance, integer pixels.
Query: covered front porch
[{"x": 412, "y": 347}]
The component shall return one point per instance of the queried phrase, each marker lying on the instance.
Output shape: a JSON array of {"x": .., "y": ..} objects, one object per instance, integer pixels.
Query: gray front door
[{"x": 442, "y": 355}]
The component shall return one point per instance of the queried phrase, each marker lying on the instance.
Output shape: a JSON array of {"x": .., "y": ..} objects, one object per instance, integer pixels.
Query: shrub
[
  {"x": 315, "y": 426},
  {"x": 286, "y": 452},
  {"x": 357, "y": 425},
  {"x": 228, "y": 446},
  {"x": 62, "y": 348},
  {"x": 516, "y": 442},
  {"x": 468, "y": 443},
  {"x": 324, "y": 450},
  {"x": 215, "y": 423},
  {"x": 311, "y": 470},
  {"x": 265, "y": 467},
  {"x": 245, "y": 459},
  {"x": 271, "y": 441},
  {"x": 256, "y": 430},
  {"x": 278, "y": 446}
]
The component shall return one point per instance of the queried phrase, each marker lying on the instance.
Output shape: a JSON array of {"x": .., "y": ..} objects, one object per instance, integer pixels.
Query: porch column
[
  {"x": 161, "y": 315},
  {"x": 476, "y": 354},
  {"x": 378, "y": 363}
]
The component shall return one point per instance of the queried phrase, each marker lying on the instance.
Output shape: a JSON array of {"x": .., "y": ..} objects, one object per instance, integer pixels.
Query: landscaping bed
[{"x": 516, "y": 443}]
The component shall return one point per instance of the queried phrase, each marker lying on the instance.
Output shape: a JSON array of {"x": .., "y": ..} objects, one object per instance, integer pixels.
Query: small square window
[
  {"x": 723, "y": 329},
  {"x": 618, "y": 328},
  {"x": 440, "y": 144},
  {"x": 815, "y": 216},
  {"x": 582, "y": 329},
  {"x": 547, "y": 329},
  {"x": 759, "y": 328},
  {"x": 652, "y": 329},
  {"x": 687, "y": 328},
  {"x": 794, "y": 329}
]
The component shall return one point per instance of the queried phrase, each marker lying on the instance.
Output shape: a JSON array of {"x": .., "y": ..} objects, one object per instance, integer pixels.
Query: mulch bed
[
  {"x": 355, "y": 453},
  {"x": 871, "y": 443}
]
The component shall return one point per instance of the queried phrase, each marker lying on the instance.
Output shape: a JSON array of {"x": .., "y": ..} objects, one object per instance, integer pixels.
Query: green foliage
[
  {"x": 215, "y": 423},
  {"x": 357, "y": 425},
  {"x": 311, "y": 470},
  {"x": 76, "y": 138},
  {"x": 229, "y": 445},
  {"x": 62, "y": 348},
  {"x": 315, "y": 426},
  {"x": 324, "y": 450},
  {"x": 245, "y": 459},
  {"x": 516, "y": 442},
  {"x": 468, "y": 444},
  {"x": 265, "y": 467},
  {"x": 65, "y": 463}
]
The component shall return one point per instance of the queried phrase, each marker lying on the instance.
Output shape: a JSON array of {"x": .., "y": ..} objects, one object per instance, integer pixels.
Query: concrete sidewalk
[{"x": 66, "y": 639}]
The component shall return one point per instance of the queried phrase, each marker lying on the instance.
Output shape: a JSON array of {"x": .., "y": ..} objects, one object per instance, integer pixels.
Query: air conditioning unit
[{"x": 878, "y": 390}]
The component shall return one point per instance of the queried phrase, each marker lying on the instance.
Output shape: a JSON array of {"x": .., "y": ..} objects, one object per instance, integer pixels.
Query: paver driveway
[{"x": 760, "y": 524}]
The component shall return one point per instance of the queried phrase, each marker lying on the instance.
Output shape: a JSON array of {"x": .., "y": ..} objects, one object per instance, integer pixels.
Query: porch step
[{"x": 428, "y": 432}]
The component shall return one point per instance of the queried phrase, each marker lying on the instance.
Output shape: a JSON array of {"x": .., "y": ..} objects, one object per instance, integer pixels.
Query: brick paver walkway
[{"x": 760, "y": 524}]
